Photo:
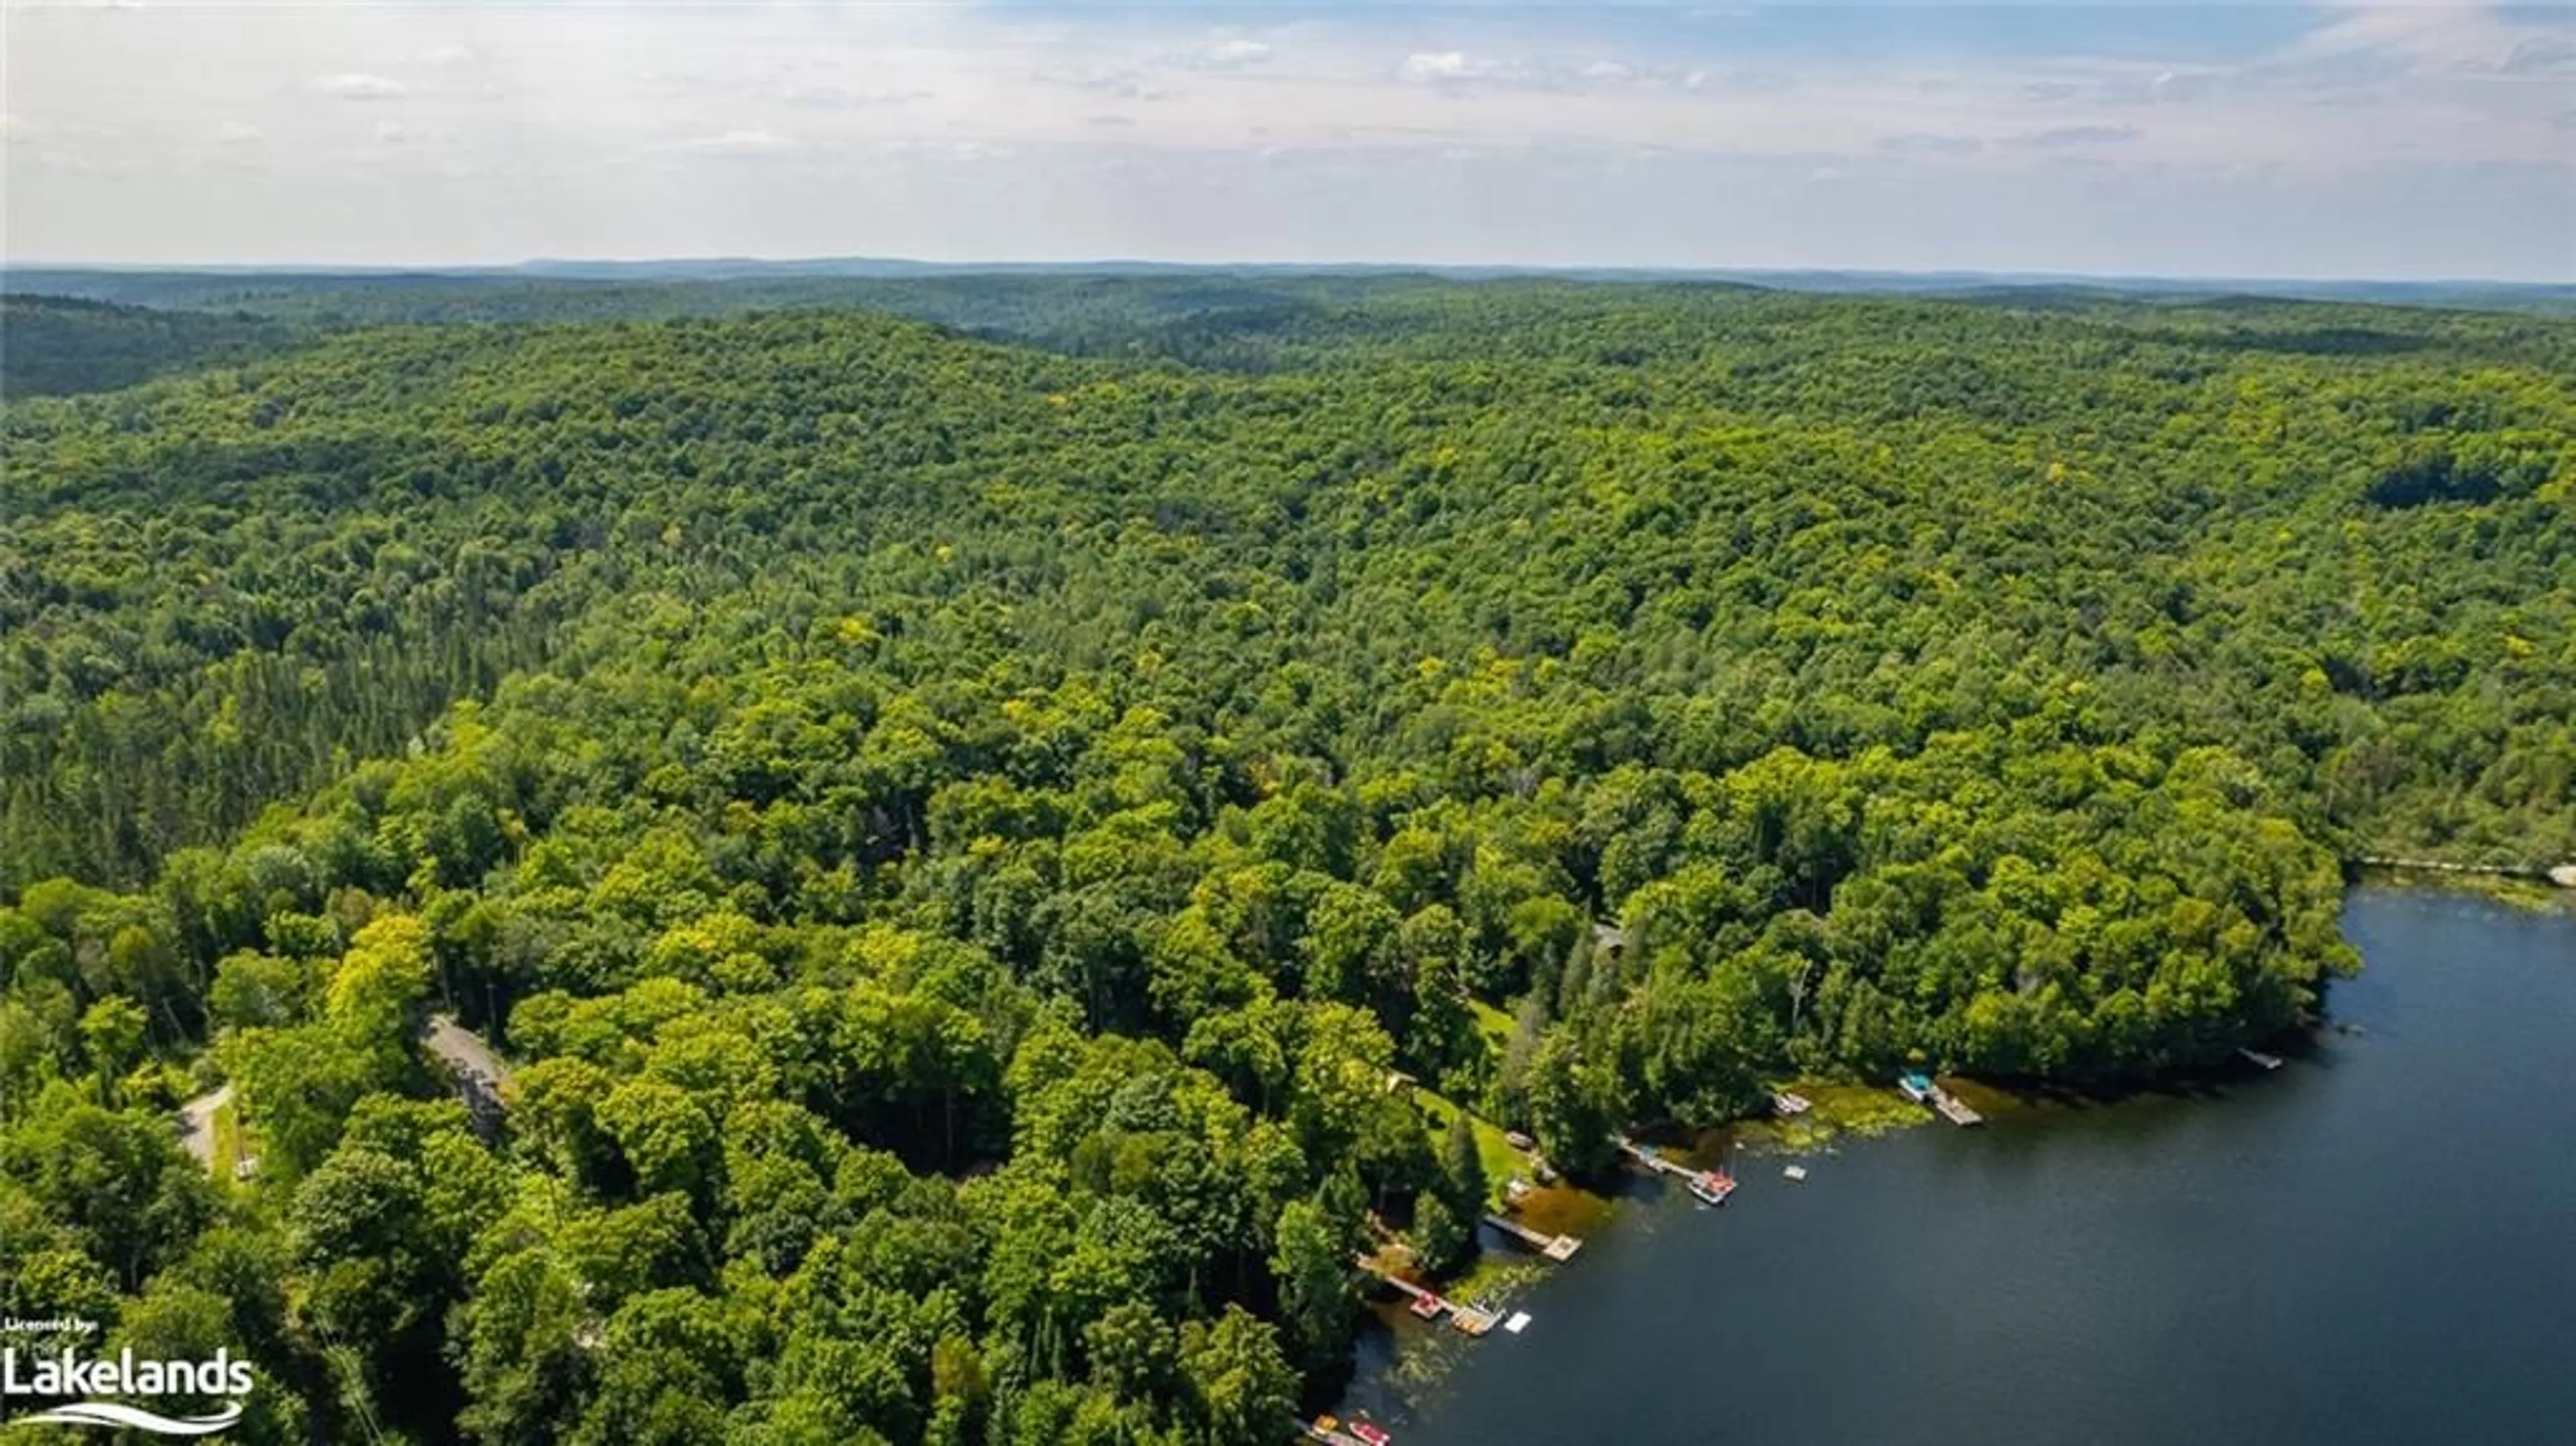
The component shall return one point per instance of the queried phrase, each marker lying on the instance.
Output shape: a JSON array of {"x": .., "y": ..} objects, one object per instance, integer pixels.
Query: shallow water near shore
[{"x": 2376, "y": 1242}]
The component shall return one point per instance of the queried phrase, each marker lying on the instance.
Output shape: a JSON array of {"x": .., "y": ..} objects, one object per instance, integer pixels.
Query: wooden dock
[
  {"x": 1554, "y": 1247},
  {"x": 1954, "y": 1109},
  {"x": 1651, "y": 1160},
  {"x": 1431, "y": 1305},
  {"x": 1711, "y": 1186}
]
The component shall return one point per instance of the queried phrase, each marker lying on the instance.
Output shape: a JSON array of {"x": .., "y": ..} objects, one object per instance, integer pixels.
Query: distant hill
[
  {"x": 278, "y": 290},
  {"x": 55, "y": 345},
  {"x": 73, "y": 331}
]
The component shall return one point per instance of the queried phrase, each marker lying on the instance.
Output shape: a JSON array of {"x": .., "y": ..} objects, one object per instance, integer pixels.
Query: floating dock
[
  {"x": 1922, "y": 1089},
  {"x": 1554, "y": 1247}
]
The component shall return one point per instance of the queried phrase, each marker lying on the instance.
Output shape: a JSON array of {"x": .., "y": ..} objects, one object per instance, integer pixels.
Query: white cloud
[
  {"x": 1234, "y": 54},
  {"x": 1464, "y": 69},
  {"x": 452, "y": 55},
  {"x": 1926, "y": 143},
  {"x": 2458, "y": 38},
  {"x": 238, "y": 133},
  {"x": 358, "y": 85},
  {"x": 2075, "y": 137},
  {"x": 2542, "y": 55},
  {"x": 393, "y": 133},
  {"x": 1118, "y": 80},
  {"x": 1439, "y": 65},
  {"x": 835, "y": 96},
  {"x": 739, "y": 143}
]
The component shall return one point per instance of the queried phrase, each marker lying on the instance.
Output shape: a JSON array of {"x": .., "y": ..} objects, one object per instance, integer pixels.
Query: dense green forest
[
  {"x": 954, "y": 834},
  {"x": 54, "y": 345}
]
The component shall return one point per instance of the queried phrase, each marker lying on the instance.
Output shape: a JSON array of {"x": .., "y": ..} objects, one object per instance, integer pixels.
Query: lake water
[{"x": 2376, "y": 1243}]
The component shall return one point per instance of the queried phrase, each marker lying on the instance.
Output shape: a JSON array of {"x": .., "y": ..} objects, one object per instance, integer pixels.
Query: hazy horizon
[{"x": 1611, "y": 269}]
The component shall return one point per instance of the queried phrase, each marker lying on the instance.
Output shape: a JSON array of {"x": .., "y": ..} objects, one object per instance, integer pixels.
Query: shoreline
[
  {"x": 1415, "y": 1356},
  {"x": 2535, "y": 893}
]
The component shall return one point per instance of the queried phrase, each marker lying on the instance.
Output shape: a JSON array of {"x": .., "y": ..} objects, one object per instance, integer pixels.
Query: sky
[{"x": 2269, "y": 139}]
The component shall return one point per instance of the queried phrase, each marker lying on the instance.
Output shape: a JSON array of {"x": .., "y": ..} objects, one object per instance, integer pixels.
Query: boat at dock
[
  {"x": 1915, "y": 1087},
  {"x": 1785, "y": 1104},
  {"x": 2259, "y": 1059},
  {"x": 1712, "y": 1186}
]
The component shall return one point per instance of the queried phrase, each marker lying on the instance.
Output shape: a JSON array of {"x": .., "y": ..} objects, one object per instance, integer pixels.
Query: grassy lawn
[
  {"x": 231, "y": 1142},
  {"x": 1502, "y": 1162}
]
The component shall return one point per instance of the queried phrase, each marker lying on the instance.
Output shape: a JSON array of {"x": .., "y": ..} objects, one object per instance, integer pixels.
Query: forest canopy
[{"x": 955, "y": 835}]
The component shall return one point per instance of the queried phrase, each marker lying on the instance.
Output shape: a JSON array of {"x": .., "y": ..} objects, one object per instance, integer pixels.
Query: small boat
[
  {"x": 1519, "y": 1141},
  {"x": 1712, "y": 1186},
  {"x": 1915, "y": 1087},
  {"x": 1784, "y": 1104},
  {"x": 1795, "y": 1172},
  {"x": 2259, "y": 1059},
  {"x": 1371, "y": 1432},
  {"x": 1516, "y": 1190}
]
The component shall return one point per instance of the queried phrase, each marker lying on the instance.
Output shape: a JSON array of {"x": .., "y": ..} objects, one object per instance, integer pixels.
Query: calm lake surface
[{"x": 2377, "y": 1243}]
